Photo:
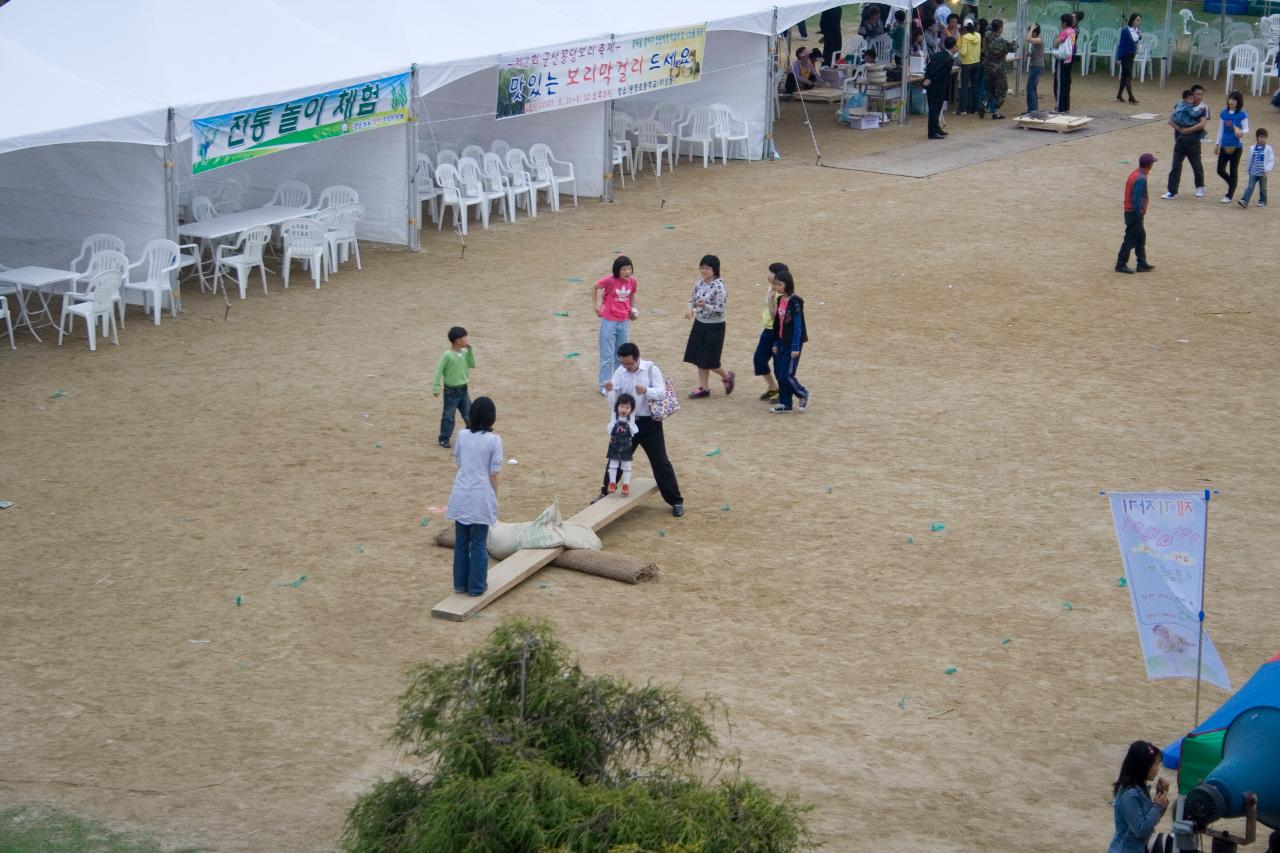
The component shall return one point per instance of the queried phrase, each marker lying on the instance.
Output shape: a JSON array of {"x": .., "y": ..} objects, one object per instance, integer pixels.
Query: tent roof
[
  {"x": 109, "y": 71},
  {"x": 1262, "y": 690}
]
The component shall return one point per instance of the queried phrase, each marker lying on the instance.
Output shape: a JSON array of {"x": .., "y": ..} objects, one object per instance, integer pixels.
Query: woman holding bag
[{"x": 1064, "y": 48}]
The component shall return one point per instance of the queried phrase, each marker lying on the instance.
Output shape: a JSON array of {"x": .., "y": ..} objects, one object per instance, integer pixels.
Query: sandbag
[
  {"x": 548, "y": 530},
  {"x": 619, "y": 567}
]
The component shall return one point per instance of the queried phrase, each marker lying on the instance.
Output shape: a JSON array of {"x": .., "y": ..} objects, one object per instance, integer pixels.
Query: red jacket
[{"x": 1135, "y": 192}]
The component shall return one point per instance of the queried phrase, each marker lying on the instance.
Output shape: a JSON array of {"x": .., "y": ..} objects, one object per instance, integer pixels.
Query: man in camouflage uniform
[{"x": 994, "y": 49}]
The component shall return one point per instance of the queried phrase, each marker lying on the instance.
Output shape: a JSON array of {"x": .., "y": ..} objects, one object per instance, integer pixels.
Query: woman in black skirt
[{"x": 706, "y": 339}]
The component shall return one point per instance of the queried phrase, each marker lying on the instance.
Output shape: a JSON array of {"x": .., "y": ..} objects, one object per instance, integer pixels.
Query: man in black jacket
[
  {"x": 829, "y": 24},
  {"x": 937, "y": 79}
]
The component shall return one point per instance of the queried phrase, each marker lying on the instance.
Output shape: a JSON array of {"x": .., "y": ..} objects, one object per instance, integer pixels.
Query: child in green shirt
[{"x": 452, "y": 372}]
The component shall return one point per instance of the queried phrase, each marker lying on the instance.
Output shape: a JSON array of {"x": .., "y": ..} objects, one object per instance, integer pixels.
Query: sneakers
[
  {"x": 769, "y": 396},
  {"x": 626, "y": 489},
  {"x": 1243, "y": 204},
  {"x": 1262, "y": 204},
  {"x": 1199, "y": 192},
  {"x": 728, "y": 383},
  {"x": 1226, "y": 199},
  {"x": 613, "y": 487},
  {"x": 444, "y": 442},
  {"x": 1170, "y": 196},
  {"x": 1124, "y": 269},
  {"x": 677, "y": 510},
  {"x": 699, "y": 393},
  {"x": 1146, "y": 268},
  {"x": 779, "y": 410},
  {"x": 603, "y": 393},
  {"x": 804, "y": 403}
]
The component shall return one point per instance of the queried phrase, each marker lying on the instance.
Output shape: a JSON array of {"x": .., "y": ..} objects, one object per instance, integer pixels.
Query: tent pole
[
  {"x": 767, "y": 151},
  {"x": 171, "y": 189},
  {"x": 1021, "y": 28},
  {"x": 1168, "y": 45},
  {"x": 1203, "y": 561},
  {"x": 606, "y": 189},
  {"x": 413, "y": 233}
]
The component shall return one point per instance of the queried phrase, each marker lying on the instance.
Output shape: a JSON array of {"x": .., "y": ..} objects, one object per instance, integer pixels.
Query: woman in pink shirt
[{"x": 614, "y": 297}]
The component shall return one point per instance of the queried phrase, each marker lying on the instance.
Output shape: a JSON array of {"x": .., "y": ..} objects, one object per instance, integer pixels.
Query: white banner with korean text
[
  {"x": 1161, "y": 537},
  {"x": 571, "y": 75}
]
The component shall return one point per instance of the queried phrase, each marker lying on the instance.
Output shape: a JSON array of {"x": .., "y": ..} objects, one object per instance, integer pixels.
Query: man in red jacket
[{"x": 1136, "y": 196}]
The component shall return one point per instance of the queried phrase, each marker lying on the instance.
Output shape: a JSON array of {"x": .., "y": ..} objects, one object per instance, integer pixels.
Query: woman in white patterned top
[{"x": 707, "y": 306}]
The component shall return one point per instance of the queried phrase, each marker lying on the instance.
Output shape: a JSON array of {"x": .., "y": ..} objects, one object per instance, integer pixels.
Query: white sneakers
[
  {"x": 1199, "y": 192},
  {"x": 1226, "y": 199},
  {"x": 1170, "y": 196}
]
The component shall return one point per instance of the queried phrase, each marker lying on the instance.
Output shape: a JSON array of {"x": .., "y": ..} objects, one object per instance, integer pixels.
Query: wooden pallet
[
  {"x": 1057, "y": 122},
  {"x": 509, "y": 573}
]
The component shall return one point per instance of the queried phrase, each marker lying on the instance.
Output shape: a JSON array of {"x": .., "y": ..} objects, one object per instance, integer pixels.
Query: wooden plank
[
  {"x": 507, "y": 574},
  {"x": 1059, "y": 123}
]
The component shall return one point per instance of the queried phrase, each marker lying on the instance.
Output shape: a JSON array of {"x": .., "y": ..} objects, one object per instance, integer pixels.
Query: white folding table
[
  {"x": 241, "y": 220},
  {"x": 39, "y": 279}
]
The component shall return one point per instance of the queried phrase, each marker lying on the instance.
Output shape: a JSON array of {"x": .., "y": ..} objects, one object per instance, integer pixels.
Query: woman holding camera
[{"x": 1137, "y": 814}]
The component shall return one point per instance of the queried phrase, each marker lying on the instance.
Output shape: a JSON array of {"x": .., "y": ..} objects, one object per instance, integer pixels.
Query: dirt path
[{"x": 974, "y": 361}]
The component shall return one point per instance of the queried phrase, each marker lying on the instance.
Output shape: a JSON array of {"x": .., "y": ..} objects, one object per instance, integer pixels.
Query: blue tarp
[{"x": 1262, "y": 690}]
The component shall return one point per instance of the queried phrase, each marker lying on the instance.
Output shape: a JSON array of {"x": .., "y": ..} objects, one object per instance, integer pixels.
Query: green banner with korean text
[
  {"x": 219, "y": 141},
  {"x": 571, "y": 75}
]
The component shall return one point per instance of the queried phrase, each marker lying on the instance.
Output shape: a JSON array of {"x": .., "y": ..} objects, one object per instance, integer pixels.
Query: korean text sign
[
  {"x": 1161, "y": 538},
  {"x": 583, "y": 73},
  {"x": 222, "y": 140}
]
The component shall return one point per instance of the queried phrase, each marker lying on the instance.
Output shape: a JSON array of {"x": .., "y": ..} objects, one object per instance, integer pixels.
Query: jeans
[
  {"x": 969, "y": 77},
  {"x": 784, "y": 367},
  {"x": 650, "y": 437},
  {"x": 455, "y": 399},
  {"x": 613, "y": 334},
  {"x": 1259, "y": 181},
  {"x": 1135, "y": 239},
  {"x": 1186, "y": 146},
  {"x": 1229, "y": 168},
  {"x": 764, "y": 352},
  {"x": 1033, "y": 78},
  {"x": 470, "y": 558}
]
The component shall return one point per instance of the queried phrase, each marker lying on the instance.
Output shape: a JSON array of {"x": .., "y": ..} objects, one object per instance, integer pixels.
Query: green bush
[{"x": 523, "y": 751}]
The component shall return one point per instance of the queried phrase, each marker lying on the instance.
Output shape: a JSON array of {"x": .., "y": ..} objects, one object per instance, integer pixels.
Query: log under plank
[
  {"x": 619, "y": 567},
  {"x": 507, "y": 574}
]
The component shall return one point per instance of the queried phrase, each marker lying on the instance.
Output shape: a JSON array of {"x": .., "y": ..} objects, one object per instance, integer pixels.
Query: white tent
[{"x": 114, "y": 87}]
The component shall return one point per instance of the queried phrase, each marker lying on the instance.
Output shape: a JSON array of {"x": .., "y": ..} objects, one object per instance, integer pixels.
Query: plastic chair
[
  {"x": 460, "y": 195},
  {"x": 101, "y": 261},
  {"x": 1149, "y": 49},
  {"x": 160, "y": 258},
  {"x": 306, "y": 239},
  {"x": 253, "y": 241},
  {"x": 557, "y": 171},
  {"x": 1245, "y": 60},
  {"x": 623, "y": 129},
  {"x": 669, "y": 116},
  {"x": 93, "y": 244},
  {"x": 500, "y": 147},
  {"x": 521, "y": 182},
  {"x": 883, "y": 46},
  {"x": 341, "y": 235},
  {"x": 473, "y": 178},
  {"x": 1268, "y": 72},
  {"x": 447, "y": 157},
  {"x": 536, "y": 179},
  {"x": 698, "y": 129},
  {"x": 8, "y": 320},
  {"x": 1102, "y": 45},
  {"x": 336, "y": 196},
  {"x": 230, "y": 192},
  {"x": 291, "y": 194},
  {"x": 619, "y": 162},
  {"x": 99, "y": 297},
  {"x": 424, "y": 179},
  {"x": 730, "y": 129},
  {"x": 648, "y": 131},
  {"x": 475, "y": 152},
  {"x": 202, "y": 209},
  {"x": 494, "y": 172},
  {"x": 1205, "y": 47}
]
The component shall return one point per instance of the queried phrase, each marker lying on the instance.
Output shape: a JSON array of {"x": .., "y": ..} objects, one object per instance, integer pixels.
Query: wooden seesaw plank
[{"x": 507, "y": 574}]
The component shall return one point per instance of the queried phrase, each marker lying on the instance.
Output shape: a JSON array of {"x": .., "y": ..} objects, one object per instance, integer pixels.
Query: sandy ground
[{"x": 974, "y": 362}]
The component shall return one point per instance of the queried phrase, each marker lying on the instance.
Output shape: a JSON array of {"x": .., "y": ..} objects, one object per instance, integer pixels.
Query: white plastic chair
[
  {"x": 500, "y": 147},
  {"x": 447, "y": 157},
  {"x": 648, "y": 132},
  {"x": 1148, "y": 51},
  {"x": 619, "y": 162},
  {"x": 475, "y": 152},
  {"x": 307, "y": 240},
  {"x": 518, "y": 161},
  {"x": 698, "y": 129},
  {"x": 291, "y": 194},
  {"x": 230, "y": 192},
  {"x": 669, "y": 116},
  {"x": 424, "y": 179},
  {"x": 8, "y": 320},
  {"x": 522, "y": 183},
  {"x": 253, "y": 241},
  {"x": 460, "y": 195},
  {"x": 336, "y": 196},
  {"x": 93, "y": 244},
  {"x": 1244, "y": 61},
  {"x": 495, "y": 176},
  {"x": 1268, "y": 72},
  {"x": 557, "y": 171},
  {"x": 623, "y": 129},
  {"x": 883, "y": 46},
  {"x": 99, "y": 297},
  {"x": 476, "y": 180},
  {"x": 730, "y": 129},
  {"x": 160, "y": 258},
  {"x": 341, "y": 235},
  {"x": 1205, "y": 47},
  {"x": 101, "y": 261},
  {"x": 1102, "y": 46},
  {"x": 202, "y": 208}
]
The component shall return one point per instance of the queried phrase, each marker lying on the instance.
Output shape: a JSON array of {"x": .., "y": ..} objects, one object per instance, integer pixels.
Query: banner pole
[
  {"x": 606, "y": 189},
  {"x": 767, "y": 150},
  {"x": 1200, "y": 643},
  {"x": 171, "y": 189},
  {"x": 413, "y": 220}
]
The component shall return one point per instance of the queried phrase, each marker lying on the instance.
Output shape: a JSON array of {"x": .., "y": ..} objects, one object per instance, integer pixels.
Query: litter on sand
[
  {"x": 237, "y": 601},
  {"x": 295, "y": 584},
  {"x": 571, "y": 355},
  {"x": 512, "y": 461},
  {"x": 5, "y": 504},
  {"x": 911, "y": 541},
  {"x": 828, "y": 490},
  {"x": 1121, "y": 582},
  {"x": 560, "y": 313},
  {"x": 435, "y": 509},
  {"x": 199, "y": 642},
  {"x": 662, "y": 533},
  {"x": 1006, "y": 641},
  {"x": 902, "y": 703},
  {"x": 573, "y": 279},
  {"x": 424, "y": 521},
  {"x": 1067, "y": 605},
  {"x": 379, "y": 446},
  {"x": 937, "y": 526},
  {"x": 715, "y": 452},
  {"x": 724, "y": 507},
  {"x": 56, "y": 394},
  {"x": 951, "y": 670},
  {"x": 359, "y": 549},
  {"x": 543, "y": 585},
  {"x": 669, "y": 227}
]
